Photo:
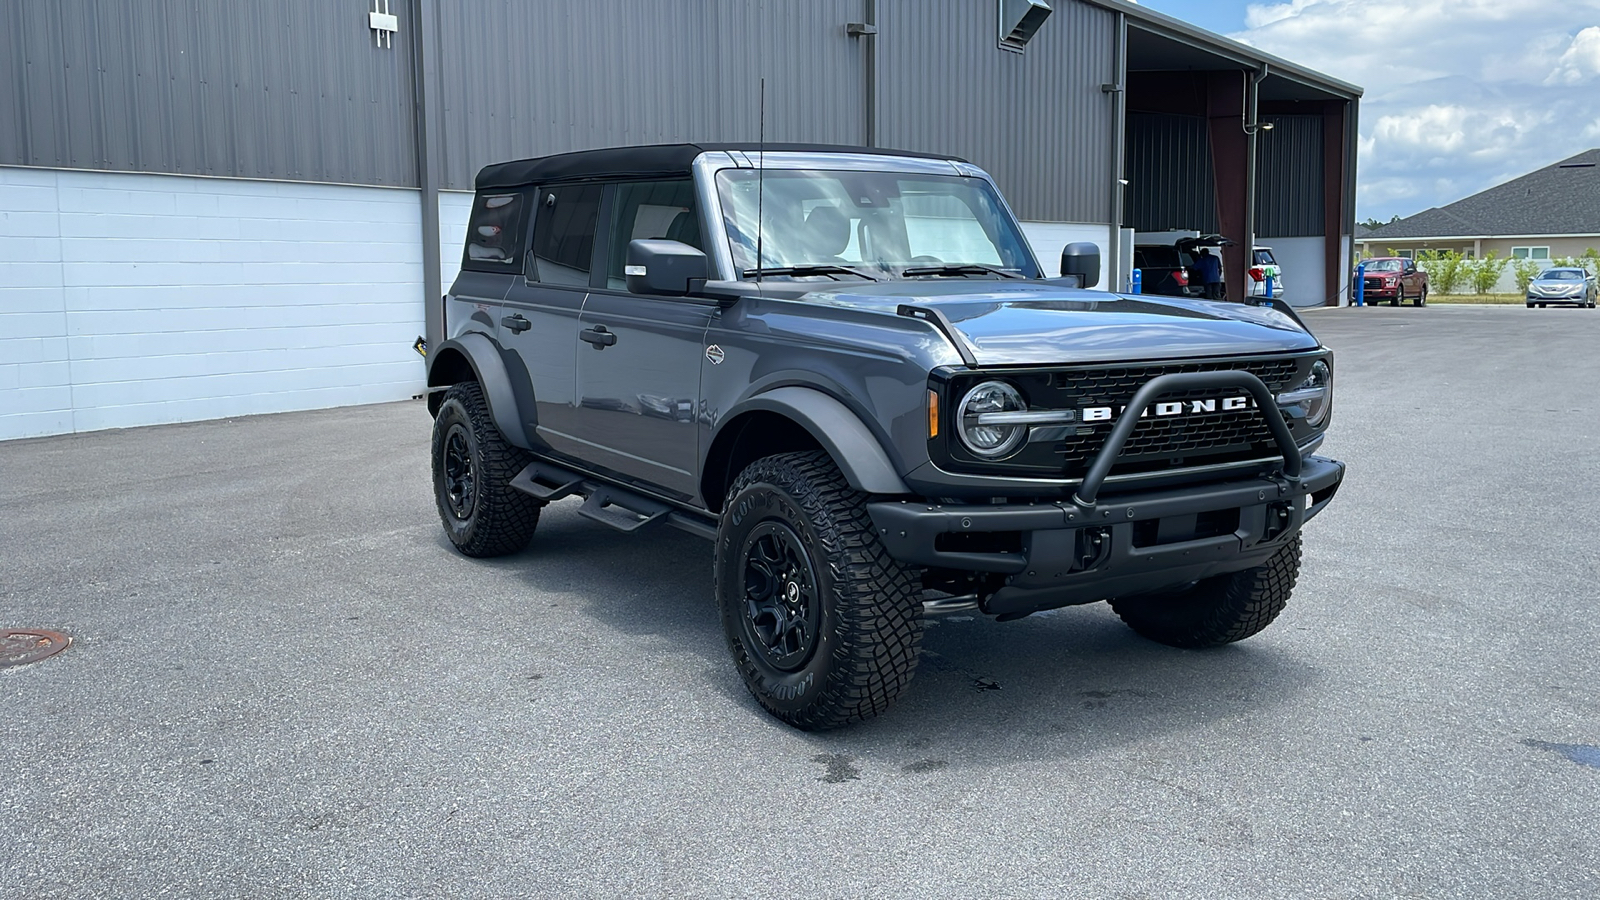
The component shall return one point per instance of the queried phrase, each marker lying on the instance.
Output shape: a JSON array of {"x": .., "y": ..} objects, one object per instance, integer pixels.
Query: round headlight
[
  {"x": 1321, "y": 380},
  {"x": 989, "y": 439}
]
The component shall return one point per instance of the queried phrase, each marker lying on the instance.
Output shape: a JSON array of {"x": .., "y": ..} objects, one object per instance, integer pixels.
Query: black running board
[{"x": 616, "y": 507}]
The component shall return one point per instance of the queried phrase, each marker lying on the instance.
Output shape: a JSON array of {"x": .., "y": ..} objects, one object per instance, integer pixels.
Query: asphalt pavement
[{"x": 285, "y": 683}]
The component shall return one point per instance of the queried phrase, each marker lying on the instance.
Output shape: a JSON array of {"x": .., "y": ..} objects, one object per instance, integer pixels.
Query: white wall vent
[{"x": 1019, "y": 20}]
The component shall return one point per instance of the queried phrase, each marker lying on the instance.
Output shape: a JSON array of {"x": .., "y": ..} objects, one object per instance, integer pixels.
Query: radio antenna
[{"x": 761, "y": 174}]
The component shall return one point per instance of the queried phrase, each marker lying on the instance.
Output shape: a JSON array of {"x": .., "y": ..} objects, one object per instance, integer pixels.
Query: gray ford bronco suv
[{"x": 845, "y": 368}]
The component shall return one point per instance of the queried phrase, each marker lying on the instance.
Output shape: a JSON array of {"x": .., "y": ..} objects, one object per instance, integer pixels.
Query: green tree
[
  {"x": 1486, "y": 271},
  {"x": 1446, "y": 270},
  {"x": 1526, "y": 270}
]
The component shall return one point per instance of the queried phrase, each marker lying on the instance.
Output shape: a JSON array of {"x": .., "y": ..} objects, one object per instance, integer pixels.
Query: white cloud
[
  {"x": 1460, "y": 94},
  {"x": 1581, "y": 61}
]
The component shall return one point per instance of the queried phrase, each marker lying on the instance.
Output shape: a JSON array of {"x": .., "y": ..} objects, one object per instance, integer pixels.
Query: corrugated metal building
[{"x": 213, "y": 209}]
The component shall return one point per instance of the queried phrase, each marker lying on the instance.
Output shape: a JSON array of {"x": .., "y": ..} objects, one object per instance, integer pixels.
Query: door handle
[
  {"x": 598, "y": 336},
  {"x": 516, "y": 323}
]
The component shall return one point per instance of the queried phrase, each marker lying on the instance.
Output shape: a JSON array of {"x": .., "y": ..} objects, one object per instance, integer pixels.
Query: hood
[{"x": 1007, "y": 323}]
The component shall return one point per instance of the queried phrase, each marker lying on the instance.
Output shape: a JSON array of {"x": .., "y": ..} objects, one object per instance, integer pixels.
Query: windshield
[
  {"x": 1561, "y": 275},
  {"x": 1385, "y": 265},
  {"x": 879, "y": 223}
]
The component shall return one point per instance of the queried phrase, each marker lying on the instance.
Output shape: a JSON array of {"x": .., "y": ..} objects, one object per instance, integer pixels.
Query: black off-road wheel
[
  {"x": 824, "y": 626},
  {"x": 1218, "y": 610},
  {"x": 472, "y": 470}
]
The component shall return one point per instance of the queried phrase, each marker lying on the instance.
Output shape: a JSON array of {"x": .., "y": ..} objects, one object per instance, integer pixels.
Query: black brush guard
[{"x": 1084, "y": 549}]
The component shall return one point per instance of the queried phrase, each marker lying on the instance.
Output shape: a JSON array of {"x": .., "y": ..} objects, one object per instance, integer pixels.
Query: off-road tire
[
  {"x": 1218, "y": 610},
  {"x": 868, "y": 606},
  {"x": 497, "y": 519}
]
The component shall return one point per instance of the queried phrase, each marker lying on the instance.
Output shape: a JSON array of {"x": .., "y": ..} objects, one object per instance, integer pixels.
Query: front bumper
[{"x": 1068, "y": 552}]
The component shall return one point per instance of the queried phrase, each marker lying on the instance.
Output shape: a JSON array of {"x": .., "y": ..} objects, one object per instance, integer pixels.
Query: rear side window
[
  {"x": 1264, "y": 258},
  {"x": 494, "y": 233},
  {"x": 650, "y": 210},
  {"x": 563, "y": 234},
  {"x": 1158, "y": 257}
]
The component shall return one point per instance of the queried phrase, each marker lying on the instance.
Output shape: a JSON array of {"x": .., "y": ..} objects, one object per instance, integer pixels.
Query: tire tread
[
  {"x": 877, "y": 601},
  {"x": 1219, "y": 610},
  {"x": 505, "y": 518}
]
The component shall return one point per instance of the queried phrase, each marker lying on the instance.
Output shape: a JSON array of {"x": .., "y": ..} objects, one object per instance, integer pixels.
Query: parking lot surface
[{"x": 285, "y": 683}]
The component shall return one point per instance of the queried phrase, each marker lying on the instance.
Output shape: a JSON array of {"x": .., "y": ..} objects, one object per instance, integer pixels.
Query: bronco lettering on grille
[{"x": 1169, "y": 409}]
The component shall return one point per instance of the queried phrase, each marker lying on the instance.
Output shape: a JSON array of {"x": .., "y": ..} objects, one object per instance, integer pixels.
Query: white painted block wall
[
  {"x": 455, "y": 208},
  {"x": 131, "y": 299},
  {"x": 1048, "y": 238}
]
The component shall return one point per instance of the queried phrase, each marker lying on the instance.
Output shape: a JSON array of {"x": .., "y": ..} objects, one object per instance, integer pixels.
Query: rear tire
[
  {"x": 1218, "y": 610},
  {"x": 472, "y": 470},
  {"x": 824, "y": 626}
]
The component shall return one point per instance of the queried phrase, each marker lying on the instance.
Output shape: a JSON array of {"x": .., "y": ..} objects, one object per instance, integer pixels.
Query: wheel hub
[
  {"x": 460, "y": 476},
  {"x": 782, "y": 607}
]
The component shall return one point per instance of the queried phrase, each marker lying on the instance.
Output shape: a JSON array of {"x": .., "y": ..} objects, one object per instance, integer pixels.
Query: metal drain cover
[{"x": 18, "y": 647}]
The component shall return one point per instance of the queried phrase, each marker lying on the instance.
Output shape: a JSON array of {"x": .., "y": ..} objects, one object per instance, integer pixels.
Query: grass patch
[{"x": 1475, "y": 298}]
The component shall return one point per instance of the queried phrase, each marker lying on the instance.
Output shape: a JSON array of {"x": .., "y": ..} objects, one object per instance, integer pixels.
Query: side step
[{"x": 626, "y": 511}]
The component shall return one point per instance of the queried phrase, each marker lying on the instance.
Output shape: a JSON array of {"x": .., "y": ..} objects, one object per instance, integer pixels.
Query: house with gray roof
[{"x": 1551, "y": 213}]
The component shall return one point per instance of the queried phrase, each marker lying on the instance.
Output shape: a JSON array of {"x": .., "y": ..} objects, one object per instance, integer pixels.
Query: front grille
[
  {"x": 1157, "y": 444},
  {"x": 1374, "y": 284}
]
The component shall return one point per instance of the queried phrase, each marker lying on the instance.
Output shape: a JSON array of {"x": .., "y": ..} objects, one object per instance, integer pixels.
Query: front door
[{"x": 639, "y": 356}]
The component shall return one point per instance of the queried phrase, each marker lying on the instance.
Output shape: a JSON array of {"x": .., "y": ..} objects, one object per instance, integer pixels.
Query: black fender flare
[
  {"x": 840, "y": 432},
  {"x": 484, "y": 358}
]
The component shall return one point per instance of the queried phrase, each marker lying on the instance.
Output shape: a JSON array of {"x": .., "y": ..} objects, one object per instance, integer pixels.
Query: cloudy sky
[{"x": 1460, "y": 94}]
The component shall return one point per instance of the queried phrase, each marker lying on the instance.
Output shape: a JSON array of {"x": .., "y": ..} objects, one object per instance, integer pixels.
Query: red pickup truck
[{"x": 1395, "y": 279}]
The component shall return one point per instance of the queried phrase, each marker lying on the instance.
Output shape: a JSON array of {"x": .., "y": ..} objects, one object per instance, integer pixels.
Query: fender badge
[{"x": 714, "y": 353}]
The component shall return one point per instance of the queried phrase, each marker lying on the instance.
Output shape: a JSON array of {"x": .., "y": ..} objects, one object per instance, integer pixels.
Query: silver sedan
[{"x": 1564, "y": 285}]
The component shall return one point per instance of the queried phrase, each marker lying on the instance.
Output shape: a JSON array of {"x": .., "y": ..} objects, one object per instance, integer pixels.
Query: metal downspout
[
  {"x": 1119, "y": 150},
  {"x": 424, "y": 41},
  {"x": 871, "y": 17},
  {"x": 1253, "y": 132}
]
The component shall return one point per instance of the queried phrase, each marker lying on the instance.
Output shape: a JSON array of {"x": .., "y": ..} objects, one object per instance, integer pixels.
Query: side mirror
[
  {"x": 664, "y": 267},
  {"x": 1082, "y": 259}
]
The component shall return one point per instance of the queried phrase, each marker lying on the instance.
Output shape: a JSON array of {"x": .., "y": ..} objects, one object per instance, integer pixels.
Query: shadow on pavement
[{"x": 1065, "y": 683}]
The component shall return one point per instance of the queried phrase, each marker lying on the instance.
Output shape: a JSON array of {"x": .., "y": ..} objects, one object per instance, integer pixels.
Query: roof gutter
[
  {"x": 1472, "y": 237},
  {"x": 1244, "y": 55}
]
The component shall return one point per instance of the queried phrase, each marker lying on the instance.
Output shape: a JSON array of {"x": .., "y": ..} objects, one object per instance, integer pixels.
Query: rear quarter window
[{"x": 494, "y": 233}]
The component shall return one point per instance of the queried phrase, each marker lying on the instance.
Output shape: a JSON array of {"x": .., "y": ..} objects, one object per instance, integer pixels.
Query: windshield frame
[{"x": 719, "y": 244}]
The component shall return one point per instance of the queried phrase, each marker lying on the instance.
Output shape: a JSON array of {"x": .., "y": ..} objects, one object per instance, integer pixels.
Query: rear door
[
  {"x": 539, "y": 317},
  {"x": 639, "y": 356}
]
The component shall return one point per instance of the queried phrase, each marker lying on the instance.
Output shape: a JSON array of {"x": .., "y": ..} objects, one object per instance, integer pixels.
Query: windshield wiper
[
  {"x": 819, "y": 269},
  {"x": 959, "y": 269}
]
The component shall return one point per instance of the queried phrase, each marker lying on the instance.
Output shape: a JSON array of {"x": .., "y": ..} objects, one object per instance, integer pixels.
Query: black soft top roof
[{"x": 654, "y": 161}]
